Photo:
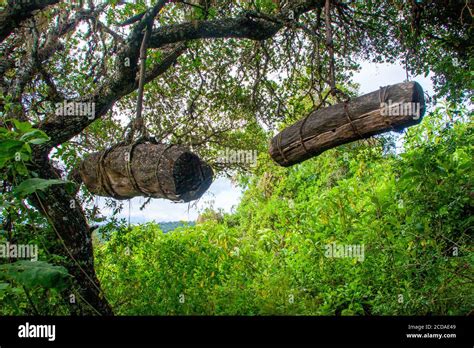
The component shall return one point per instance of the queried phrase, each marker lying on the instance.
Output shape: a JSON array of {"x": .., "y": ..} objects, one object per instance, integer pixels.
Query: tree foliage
[
  {"x": 412, "y": 212},
  {"x": 219, "y": 74}
]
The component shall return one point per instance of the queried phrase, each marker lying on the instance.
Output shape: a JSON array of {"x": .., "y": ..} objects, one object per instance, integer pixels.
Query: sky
[{"x": 223, "y": 194}]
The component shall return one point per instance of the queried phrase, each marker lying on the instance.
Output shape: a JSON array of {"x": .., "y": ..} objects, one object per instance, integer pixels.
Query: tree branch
[
  {"x": 246, "y": 26},
  {"x": 18, "y": 11},
  {"x": 61, "y": 129}
]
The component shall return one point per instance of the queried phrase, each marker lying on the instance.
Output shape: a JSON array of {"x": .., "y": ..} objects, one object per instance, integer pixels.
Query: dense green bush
[{"x": 412, "y": 213}]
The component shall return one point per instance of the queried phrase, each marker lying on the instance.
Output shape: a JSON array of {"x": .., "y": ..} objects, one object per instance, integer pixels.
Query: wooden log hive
[
  {"x": 146, "y": 169},
  {"x": 392, "y": 107}
]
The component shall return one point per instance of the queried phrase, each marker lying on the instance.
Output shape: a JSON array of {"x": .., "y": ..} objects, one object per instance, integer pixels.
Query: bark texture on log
[
  {"x": 159, "y": 171},
  {"x": 392, "y": 107}
]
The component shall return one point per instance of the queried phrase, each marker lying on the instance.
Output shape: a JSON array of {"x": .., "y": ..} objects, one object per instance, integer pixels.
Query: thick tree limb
[
  {"x": 33, "y": 63},
  {"x": 63, "y": 128},
  {"x": 241, "y": 27},
  {"x": 17, "y": 12},
  {"x": 67, "y": 219},
  {"x": 247, "y": 26}
]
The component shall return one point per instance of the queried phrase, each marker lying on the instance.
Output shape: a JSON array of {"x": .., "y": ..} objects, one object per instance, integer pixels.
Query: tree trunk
[
  {"x": 68, "y": 220},
  {"x": 15, "y": 12},
  {"x": 146, "y": 169},
  {"x": 390, "y": 108}
]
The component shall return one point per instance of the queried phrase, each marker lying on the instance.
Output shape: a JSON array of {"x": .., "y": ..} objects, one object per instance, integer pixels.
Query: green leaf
[
  {"x": 35, "y": 273},
  {"x": 3, "y": 132},
  {"x": 22, "y": 127},
  {"x": 9, "y": 147},
  {"x": 409, "y": 175},
  {"x": 29, "y": 186},
  {"x": 35, "y": 137},
  {"x": 212, "y": 13},
  {"x": 20, "y": 168}
]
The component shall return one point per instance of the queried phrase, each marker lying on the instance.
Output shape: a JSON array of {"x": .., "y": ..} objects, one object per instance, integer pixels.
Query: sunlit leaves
[{"x": 412, "y": 218}]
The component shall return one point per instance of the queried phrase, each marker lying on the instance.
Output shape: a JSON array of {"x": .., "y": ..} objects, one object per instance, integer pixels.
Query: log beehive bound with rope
[
  {"x": 146, "y": 169},
  {"x": 390, "y": 108}
]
